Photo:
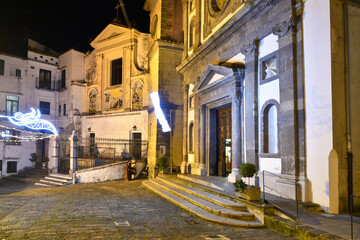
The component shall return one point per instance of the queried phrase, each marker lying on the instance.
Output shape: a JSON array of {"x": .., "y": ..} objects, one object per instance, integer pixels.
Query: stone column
[
  {"x": 185, "y": 27},
  {"x": 184, "y": 164},
  {"x": 55, "y": 157},
  {"x": 73, "y": 153},
  {"x": 202, "y": 150},
  {"x": 236, "y": 143},
  {"x": 251, "y": 136}
]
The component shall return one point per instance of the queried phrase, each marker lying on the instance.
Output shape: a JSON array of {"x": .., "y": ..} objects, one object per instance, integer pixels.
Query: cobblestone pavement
[{"x": 110, "y": 210}]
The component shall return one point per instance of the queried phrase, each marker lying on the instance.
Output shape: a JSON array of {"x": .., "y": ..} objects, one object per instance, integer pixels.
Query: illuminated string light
[
  {"x": 159, "y": 112},
  {"x": 31, "y": 120}
]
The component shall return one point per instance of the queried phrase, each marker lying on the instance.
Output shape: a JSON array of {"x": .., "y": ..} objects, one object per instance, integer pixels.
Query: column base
[
  {"x": 234, "y": 175},
  {"x": 184, "y": 167},
  {"x": 202, "y": 169}
]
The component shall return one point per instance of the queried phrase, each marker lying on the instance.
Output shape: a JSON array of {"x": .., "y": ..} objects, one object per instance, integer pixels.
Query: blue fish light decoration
[{"x": 31, "y": 120}]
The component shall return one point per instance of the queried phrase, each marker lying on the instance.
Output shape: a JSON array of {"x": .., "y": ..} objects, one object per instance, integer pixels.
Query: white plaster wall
[
  {"x": 268, "y": 45},
  {"x": 101, "y": 174},
  {"x": 267, "y": 91},
  {"x": 318, "y": 102},
  {"x": 24, "y": 88},
  {"x": 270, "y": 164},
  {"x": 116, "y": 125}
]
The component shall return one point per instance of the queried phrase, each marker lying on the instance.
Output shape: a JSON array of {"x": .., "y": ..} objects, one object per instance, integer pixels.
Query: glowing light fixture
[
  {"x": 31, "y": 120},
  {"x": 159, "y": 113}
]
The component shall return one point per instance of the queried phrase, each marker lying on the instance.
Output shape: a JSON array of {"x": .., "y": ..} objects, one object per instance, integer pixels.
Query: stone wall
[{"x": 101, "y": 174}]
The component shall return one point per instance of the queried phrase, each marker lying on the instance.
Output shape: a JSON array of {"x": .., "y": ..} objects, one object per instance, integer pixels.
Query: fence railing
[
  {"x": 48, "y": 84},
  {"x": 276, "y": 198},
  {"x": 93, "y": 152}
]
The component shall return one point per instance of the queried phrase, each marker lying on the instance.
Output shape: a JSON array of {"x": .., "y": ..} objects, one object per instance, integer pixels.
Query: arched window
[
  {"x": 270, "y": 128},
  {"x": 191, "y": 137}
]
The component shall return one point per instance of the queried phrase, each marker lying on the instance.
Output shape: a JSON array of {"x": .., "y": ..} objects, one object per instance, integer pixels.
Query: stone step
[
  {"x": 43, "y": 184},
  {"x": 226, "y": 203},
  {"x": 61, "y": 176},
  {"x": 200, "y": 181},
  {"x": 204, "y": 204},
  {"x": 204, "y": 187},
  {"x": 51, "y": 182},
  {"x": 197, "y": 210},
  {"x": 55, "y": 179}
]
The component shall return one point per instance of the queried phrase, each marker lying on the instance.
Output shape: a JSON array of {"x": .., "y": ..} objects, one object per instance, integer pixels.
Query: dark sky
[{"x": 61, "y": 25}]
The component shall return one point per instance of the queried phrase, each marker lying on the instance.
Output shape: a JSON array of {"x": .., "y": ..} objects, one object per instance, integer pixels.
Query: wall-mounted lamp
[
  {"x": 89, "y": 129},
  {"x": 134, "y": 128}
]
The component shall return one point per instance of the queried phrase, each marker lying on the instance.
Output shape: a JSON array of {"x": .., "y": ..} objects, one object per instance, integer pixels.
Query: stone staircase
[
  {"x": 200, "y": 200},
  {"x": 54, "y": 179}
]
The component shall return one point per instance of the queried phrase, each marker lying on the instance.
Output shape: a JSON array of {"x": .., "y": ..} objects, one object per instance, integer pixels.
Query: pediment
[
  {"x": 213, "y": 75},
  {"x": 110, "y": 32}
]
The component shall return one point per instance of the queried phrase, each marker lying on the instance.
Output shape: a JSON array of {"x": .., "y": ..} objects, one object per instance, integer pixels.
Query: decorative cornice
[
  {"x": 241, "y": 18},
  {"x": 282, "y": 28}
]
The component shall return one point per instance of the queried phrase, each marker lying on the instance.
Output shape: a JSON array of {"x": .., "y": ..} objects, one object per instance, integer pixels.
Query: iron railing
[
  {"x": 93, "y": 152},
  {"x": 46, "y": 84},
  {"x": 276, "y": 199}
]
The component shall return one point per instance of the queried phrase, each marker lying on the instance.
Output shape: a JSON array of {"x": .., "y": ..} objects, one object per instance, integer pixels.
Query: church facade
[{"x": 251, "y": 75}]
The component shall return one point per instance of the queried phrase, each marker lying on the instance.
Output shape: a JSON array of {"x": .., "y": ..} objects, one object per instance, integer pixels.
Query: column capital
[
  {"x": 185, "y": 88},
  {"x": 248, "y": 48},
  {"x": 281, "y": 29},
  {"x": 236, "y": 97},
  {"x": 184, "y": 2}
]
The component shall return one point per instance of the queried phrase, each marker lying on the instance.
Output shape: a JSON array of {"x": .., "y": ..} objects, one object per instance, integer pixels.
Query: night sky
[{"x": 61, "y": 25}]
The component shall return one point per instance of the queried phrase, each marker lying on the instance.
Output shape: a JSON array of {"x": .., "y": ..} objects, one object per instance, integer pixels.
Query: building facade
[
  {"x": 165, "y": 53},
  {"x": 45, "y": 81},
  {"x": 252, "y": 93}
]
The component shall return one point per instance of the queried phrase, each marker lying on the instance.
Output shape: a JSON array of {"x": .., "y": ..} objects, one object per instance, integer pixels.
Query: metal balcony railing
[{"x": 46, "y": 84}]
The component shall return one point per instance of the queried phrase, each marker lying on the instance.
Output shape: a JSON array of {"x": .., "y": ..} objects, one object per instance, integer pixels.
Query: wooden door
[{"x": 224, "y": 133}]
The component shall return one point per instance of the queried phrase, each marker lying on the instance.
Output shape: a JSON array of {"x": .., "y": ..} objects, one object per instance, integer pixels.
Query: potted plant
[
  {"x": 44, "y": 160},
  {"x": 250, "y": 193},
  {"x": 33, "y": 159},
  {"x": 162, "y": 164}
]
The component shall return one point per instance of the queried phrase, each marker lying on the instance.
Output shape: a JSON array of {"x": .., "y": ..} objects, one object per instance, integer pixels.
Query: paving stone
[{"x": 91, "y": 211}]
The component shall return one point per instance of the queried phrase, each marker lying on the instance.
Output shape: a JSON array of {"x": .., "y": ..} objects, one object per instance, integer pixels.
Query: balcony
[
  {"x": 45, "y": 84},
  {"x": 50, "y": 85}
]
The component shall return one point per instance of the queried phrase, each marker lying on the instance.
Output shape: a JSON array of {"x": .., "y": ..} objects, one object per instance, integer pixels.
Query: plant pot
[
  {"x": 33, "y": 164},
  {"x": 43, "y": 165},
  {"x": 251, "y": 193}
]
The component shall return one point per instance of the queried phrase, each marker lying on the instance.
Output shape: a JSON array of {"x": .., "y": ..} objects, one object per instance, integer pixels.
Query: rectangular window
[
  {"x": 59, "y": 110},
  {"x": 45, "y": 79},
  {"x": 116, "y": 72},
  {"x": 10, "y": 137},
  {"x": 45, "y": 108},
  {"x": 11, "y": 167},
  {"x": 64, "y": 109},
  {"x": 63, "y": 78},
  {"x": 18, "y": 73},
  {"x": 2, "y": 67},
  {"x": 12, "y": 105}
]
